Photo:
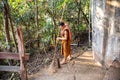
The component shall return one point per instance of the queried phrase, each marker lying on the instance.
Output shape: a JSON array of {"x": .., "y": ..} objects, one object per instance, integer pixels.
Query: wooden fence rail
[{"x": 21, "y": 55}]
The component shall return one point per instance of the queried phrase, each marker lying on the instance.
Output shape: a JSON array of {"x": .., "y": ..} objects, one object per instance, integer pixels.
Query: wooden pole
[
  {"x": 23, "y": 72},
  {"x": 89, "y": 38}
]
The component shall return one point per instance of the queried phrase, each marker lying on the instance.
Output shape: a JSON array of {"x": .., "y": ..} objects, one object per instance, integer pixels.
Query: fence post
[{"x": 21, "y": 49}]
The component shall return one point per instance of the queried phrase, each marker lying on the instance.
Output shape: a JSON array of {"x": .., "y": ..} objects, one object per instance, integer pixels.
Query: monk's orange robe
[{"x": 65, "y": 48}]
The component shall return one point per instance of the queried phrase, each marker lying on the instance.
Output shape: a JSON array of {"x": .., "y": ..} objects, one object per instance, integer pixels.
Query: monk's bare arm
[{"x": 65, "y": 36}]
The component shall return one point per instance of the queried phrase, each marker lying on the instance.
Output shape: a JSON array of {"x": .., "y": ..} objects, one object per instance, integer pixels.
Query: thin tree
[
  {"x": 36, "y": 20},
  {"x": 6, "y": 23},
  {"x": 11, "y": 25}
]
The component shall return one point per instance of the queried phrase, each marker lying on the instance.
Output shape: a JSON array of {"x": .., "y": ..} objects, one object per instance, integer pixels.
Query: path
[{"x": 81, "y": 68}]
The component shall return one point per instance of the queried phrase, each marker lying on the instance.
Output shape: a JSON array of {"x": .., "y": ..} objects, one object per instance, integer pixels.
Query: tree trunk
[
  {"x": 79, "y": 8},
  {"x": 12, "y": 28},
  {"x": 6, "y": 24},
  {"x": 36, "y": 20}
]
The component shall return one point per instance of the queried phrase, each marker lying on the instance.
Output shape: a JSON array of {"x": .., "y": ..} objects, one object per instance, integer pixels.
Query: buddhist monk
[{"x": 65, "y": 39}]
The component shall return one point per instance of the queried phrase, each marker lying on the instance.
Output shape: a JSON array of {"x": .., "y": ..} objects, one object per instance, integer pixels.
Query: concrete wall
[{"x": 106, "y": 30}]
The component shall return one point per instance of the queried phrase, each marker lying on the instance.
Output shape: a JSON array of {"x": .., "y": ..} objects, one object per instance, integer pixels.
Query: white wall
[{"x": 106, "y": 30}]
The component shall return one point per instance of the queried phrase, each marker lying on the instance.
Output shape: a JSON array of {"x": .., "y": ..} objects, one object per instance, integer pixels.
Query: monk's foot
[
  {"x": 63, "y": 62},
  {"x": 69, "y": 58}
]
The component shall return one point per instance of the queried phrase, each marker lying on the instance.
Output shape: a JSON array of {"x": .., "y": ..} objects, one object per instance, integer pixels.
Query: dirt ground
[{"x": 82, "y": 67}]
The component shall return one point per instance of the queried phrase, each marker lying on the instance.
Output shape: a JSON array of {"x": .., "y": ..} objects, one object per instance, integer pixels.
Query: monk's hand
[{"x": 58, "y": 38}]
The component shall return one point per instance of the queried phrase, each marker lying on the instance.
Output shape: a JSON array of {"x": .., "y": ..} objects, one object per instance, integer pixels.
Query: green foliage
[
  {"x": 82, "y": 28},
  {"x": 47, "y": 31},
  {"x": 75, "y": 12},
  {"x": 49, "y": 14}
]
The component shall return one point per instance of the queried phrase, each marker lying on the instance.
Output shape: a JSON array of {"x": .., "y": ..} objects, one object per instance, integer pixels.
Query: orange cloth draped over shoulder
[{"x": 65, "y": 48}]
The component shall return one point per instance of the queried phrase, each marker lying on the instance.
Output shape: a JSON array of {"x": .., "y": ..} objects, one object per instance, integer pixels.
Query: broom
[{"x": 52, "y": 68}]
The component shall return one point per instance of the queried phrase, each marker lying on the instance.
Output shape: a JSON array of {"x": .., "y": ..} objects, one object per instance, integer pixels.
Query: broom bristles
[{"x": 52, "y": 68}]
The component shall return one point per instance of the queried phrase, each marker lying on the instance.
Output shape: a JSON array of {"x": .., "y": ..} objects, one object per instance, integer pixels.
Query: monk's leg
[
  {"x": 69, "y": 51},
  {"x": 64, "y": 60},
  {"x": 65, "y": 53},
  {"x": 69, "y": 57}
]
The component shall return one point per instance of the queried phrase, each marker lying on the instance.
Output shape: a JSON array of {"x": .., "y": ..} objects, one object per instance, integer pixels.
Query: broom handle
[
  {"x": 55, "y": 54},
  {"x": 58, "y": 61}
]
